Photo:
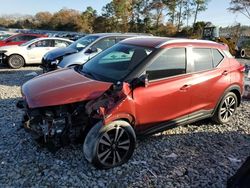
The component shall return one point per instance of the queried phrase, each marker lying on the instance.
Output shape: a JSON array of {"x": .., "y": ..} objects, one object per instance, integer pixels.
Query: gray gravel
[{"x": 197, "y": 155}]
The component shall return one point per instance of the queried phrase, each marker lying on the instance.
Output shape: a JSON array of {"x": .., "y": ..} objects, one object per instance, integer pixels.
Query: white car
[{"x": 30, "y": 52}]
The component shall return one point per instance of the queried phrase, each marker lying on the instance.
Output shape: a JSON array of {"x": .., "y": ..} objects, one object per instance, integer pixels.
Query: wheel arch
[
  {"x": 122, "y": 116},
  {"x": 19, "y": 55},
  {"x": 236, "y": 89}
]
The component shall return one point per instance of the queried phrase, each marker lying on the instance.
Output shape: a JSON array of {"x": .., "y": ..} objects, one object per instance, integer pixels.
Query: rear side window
[
  {"x": 203, "y": 59},
  {"x": 217, "y": 57},
  {"x": 29, "y": 37},
  {"x": 43, "y": 43},
  {"x": 170, "y": 63},
  {"x": 103, "y": 44},
  {"x": 61, "y": 43}
]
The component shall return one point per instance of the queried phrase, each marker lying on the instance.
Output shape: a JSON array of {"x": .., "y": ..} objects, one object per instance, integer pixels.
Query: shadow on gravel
[{"x": 17, "y": 77}]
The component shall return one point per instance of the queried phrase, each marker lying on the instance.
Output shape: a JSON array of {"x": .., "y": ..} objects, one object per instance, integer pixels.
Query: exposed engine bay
[{"x": 57, "y": 126}]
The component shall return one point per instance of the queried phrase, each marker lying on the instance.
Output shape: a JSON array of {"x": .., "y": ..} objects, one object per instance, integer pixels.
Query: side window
[
  {"x": 27, "y": 37},
  {"x": 24, "y": 38},
  {"x": 118, "y": 39},
  {"x": 103, "y": 44},
  {"x": 43, "y": 43},
  {"x": 61, "y": 43},
  {"x": 217, "y": 57},
  {"x": 202, "y": 59},
  {"x": 170, "y": 63},
  {"x": 16, "y": 39}
]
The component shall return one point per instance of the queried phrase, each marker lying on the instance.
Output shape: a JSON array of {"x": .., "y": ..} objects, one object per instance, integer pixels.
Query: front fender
[
  {"x": 119, "y": 116},
  {"x": 73, "y": 59}
]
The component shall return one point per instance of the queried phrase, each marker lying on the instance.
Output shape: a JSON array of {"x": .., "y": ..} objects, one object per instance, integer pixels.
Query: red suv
[
  {"x": 19, "y": 39},
  {"x": 139, "y": 86}
]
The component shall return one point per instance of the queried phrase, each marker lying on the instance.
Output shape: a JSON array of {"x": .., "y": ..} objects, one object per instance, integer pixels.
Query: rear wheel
[
  {"x": 242, "y": 53},
  {"x": 226, "y": 108},
  {"x": 16, "y": 61},
  {"x": 111, "y": 145}
]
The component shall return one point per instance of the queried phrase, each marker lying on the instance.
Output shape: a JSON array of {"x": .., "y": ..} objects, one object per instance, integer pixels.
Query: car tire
[
  {"x": 108, "y": 146},
  {"x": 226, "y": 108},
  {"x": 16, "y": 61},
  {"x": 242, "y": 53}
]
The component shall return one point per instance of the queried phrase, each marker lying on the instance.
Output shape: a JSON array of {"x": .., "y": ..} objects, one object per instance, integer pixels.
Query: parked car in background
[
  {"x": 82, "y": 50},
  {"x": 30, "y": 52},
  {"x": 19, "y": 39},
  {"x": 137, "y": 87},
  {"x": 244, "y": 47},
  {"x": 4, "y": 36}
]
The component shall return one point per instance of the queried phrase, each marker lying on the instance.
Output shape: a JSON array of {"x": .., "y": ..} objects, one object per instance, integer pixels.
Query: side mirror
[
  {"x": 142, "y": 81},
  {"x": 91, "y": 50},
  {"x": 7, "y": 41}
]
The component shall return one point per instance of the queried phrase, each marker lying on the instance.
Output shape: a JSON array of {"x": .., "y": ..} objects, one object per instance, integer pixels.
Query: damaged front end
[
  {"x": 56, "y": 125},
  {"x": 64, "y": 124}
]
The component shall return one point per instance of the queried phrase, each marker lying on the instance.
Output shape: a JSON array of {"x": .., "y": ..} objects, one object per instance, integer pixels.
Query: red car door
[
  {"x": 209, "y": 80},
  {"x": 167, "y": 95}
]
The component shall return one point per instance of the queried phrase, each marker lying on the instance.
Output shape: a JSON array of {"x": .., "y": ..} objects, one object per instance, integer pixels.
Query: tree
[
  {"x": 88, "y": 18},
  {"x": 188, "y": 10},
  {"x": 69, "y": 20},
  {"x": 200, "y": 5},
  {"x": 43, "y": 19},
  {"x": 123, "y": 11},
  {"x": 108, "y": 14},
  {"x": 158, "y": 7},
  {"x": 171, "y": 6},
  {"x": 242, "y": 6}
]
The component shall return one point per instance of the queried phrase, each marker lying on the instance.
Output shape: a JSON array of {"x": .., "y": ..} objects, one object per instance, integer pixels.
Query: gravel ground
[{"x": 196, "y": 155}]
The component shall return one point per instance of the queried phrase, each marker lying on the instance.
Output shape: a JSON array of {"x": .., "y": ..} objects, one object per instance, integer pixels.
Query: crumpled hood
[
  {"x": 61, "y": 87},
  {"x": 59, "y": 52}
]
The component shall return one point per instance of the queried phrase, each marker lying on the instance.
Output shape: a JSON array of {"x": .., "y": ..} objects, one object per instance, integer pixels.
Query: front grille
[{"x": 46, "y": 66}]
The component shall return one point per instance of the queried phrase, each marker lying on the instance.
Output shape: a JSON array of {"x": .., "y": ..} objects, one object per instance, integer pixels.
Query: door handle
[
  {"x": 225, "y": 73},
  {"x": 185, "y": 87}
]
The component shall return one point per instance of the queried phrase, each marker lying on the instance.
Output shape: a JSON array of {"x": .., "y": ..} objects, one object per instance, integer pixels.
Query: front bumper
[
  {"x": 47, "y": 65},
  {"x": 3, "y": 58}
]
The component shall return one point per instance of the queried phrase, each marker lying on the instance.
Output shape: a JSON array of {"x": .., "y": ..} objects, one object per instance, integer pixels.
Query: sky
[{"x": 216, "y": 13}]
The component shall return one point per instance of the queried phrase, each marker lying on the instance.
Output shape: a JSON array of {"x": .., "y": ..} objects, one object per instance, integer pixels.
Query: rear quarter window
[{"x": 217, "y": 57}]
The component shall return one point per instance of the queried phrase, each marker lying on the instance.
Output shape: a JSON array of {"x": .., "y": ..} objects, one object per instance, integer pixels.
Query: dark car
[
  {"x": 139, "y": 86},
  {"x": 81, "y": 50}
]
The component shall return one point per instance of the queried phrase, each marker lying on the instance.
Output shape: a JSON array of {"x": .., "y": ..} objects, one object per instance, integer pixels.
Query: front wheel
[
  {"x": 16, "y": 61},
  {"x": 226, "y": 108},
  {"x": 108, "y": 146}
]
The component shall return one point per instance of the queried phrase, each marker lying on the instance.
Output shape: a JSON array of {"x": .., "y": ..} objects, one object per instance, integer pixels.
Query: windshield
[
  {"x": 116, "y": 63},
  {"x": 83, "y": 42}
]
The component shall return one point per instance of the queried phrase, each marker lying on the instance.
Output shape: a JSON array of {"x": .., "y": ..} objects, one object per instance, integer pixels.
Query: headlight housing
[{"x": 55, "y": 62}]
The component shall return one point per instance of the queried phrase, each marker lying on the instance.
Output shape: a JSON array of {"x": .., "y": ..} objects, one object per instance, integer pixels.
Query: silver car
[{"x": 81, "y": 50}]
